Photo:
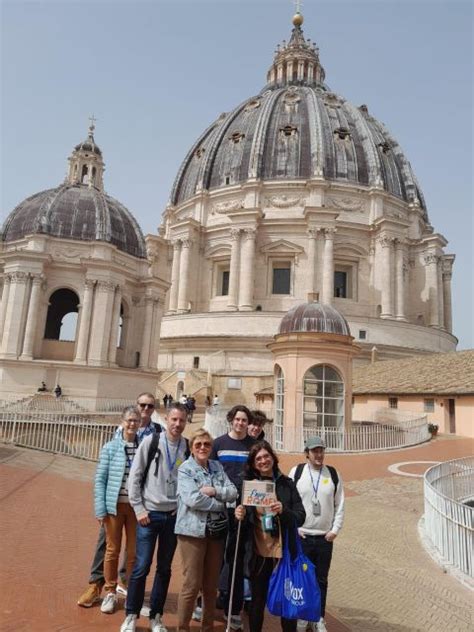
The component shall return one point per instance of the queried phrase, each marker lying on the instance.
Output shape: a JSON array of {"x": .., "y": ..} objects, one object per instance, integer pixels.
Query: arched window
[
  {"x": 61, "y": 321},
  {"x": 323, "y": 398},
  {"x": 279, "y": 408},
  {"x": 85, "y": 175}
]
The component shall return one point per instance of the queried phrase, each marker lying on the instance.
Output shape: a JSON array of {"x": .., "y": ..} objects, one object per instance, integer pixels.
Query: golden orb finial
[{"x": 298, "y": 19}]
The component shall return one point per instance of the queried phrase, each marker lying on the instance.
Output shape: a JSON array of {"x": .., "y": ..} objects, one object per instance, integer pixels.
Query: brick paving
[{"x": 381, "y": 577}]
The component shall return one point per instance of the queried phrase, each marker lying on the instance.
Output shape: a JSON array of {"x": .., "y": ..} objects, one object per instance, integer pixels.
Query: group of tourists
[{"x": 166, "y": 492}]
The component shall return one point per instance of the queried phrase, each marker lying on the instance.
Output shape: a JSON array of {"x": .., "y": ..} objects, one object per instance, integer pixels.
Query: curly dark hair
[
  {"x": 240, "y": 408},
  {"x": 249, "y": 469}
]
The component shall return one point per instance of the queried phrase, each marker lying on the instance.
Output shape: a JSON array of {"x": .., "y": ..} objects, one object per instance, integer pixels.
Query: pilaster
[
  {"x": 101, "y": 323},
  {"x": 85, "y": 322},
  {"x": 233, "y": 299},
  {"x": 184, "y": 265},
  {"x": 174, "y": 290},
  {"x": 32, "y": 318},
  {"x": 328, "y": 266},
  {"x": 247, "y": 269},
  {"x": 15, "y": 315}
]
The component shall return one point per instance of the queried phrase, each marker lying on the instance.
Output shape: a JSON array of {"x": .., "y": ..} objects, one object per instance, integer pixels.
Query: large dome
[
  {"x": 76, "y": 212},
  {"x": 296, "y": 128}
]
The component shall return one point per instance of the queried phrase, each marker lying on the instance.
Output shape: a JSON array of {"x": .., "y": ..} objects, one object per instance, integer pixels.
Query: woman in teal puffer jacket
[{"x": 112, "y": 507}]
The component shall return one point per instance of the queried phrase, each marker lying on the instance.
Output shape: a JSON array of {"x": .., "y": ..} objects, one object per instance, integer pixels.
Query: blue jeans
[{"x": 161, "y": 528}]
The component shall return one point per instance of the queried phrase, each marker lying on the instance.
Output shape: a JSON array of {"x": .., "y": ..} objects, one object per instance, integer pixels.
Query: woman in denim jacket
[{"x": 203, "y": 491}]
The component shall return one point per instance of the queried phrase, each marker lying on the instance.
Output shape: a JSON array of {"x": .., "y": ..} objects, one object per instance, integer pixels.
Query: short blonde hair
[{"x": 201, "y": 432}]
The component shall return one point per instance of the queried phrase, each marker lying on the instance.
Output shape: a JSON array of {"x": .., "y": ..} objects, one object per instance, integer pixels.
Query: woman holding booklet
[{"x": 268, "y": 526}]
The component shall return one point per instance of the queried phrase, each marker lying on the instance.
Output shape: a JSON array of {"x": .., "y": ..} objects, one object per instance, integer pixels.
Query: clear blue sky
[{"x": 156, "y": 73}]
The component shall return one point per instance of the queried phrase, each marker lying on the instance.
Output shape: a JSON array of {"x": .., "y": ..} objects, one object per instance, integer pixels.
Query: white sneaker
[
  {"x": 121, "y": 590},
  {"x": 197, "y": 613},
  {"x": 321, "y": 626},
  {"x": 129, "y": 624},
  {"x": 301, "y": 625},
  {"x": 108, "y": 603},
  {"x": 156, "y": 624}
]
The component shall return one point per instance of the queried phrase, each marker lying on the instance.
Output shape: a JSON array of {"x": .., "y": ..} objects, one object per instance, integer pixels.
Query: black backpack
[
  {"x": 154, "y": 453},
  {"x": 332, "y": 471}
]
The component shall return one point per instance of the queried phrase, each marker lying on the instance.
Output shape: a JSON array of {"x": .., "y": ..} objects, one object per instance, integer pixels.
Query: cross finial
[{"x": 92, "y": 121}]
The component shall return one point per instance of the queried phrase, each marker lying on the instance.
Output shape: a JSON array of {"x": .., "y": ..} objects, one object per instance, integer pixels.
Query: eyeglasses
[
  {"x": 202, "y": 444},
  {"x": 150, "y": 406},
  {"x": 132, "y": 421}
]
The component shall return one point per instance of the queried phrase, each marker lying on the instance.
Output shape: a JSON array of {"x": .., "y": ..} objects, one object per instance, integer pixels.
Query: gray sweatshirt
[{"x": 159, "y": 492}]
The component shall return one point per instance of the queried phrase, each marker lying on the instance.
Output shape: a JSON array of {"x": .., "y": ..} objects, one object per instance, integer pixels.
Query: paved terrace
[{"x": 381, "y": 578}]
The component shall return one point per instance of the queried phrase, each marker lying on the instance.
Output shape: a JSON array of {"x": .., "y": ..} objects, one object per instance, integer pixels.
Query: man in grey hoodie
[{"x": 152, "y": 491}]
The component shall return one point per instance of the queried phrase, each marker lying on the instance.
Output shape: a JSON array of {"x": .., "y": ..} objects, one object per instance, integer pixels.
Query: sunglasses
[
  {"x": 151, "y": 406},
  {"x": 202, "y": 444}
]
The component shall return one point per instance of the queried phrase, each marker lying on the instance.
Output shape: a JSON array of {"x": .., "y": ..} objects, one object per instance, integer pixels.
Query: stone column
[
  {"x": 328, "y": 266},
  {"x": 146, "y": 338},
  {"x": 386, "y": 244},
  {"x": 400, "y": 253},
  {"x": 233, "y": 299},
  {"x": 173, "y": 304},
  {"x": 311, "y": 269},
  {"x": 32, "y": 319},
  {"x": 85, "y": 322},
  {"x": 113, "y": 343},
  {"x": 247, "y": 270},
  {"x": 14, "y": 316},
  {"x": 101, "y": 323},
  {"x": 431, "y": 286},
  {"x": 448, "y": 310},
  {"x": 3, "y": 307},
  {"x": 183, "y": 294},
  {"x": 440, "y": 294}
]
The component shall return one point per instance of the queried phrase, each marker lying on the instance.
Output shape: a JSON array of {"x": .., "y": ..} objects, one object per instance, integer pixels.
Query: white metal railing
[
  {"x": 49, "y": 403},
  {"x": 70, "y": 435},
  {"x": 366, "y": 436},
  {"x": 449, "y": 521},
  {"x": 363, "y": 436}
]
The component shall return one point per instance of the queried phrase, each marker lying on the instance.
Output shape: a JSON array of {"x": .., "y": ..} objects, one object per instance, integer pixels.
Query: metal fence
[
  {"x": 80, "y": 436},
  {"x": 449, "y": 521},
  {"x": 48, "y": 403},
  {"x": 384, "y": 432}
]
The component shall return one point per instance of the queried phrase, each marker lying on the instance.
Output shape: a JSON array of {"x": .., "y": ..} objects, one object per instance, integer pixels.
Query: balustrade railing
[
  {"x": 448, "y": 519},
  {"x": 362, "y": 436},
  {"x": 71, "y": 435}
]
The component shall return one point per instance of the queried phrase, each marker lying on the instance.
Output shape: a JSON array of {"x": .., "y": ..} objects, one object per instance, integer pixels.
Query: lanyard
[
  {"x": 315, "y": 489},
  {"x": 144, "y": 432},
  {"x": 171, "y": 464}
]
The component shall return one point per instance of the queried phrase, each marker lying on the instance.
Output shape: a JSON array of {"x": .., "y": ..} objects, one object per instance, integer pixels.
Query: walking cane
[{"x": 231, "y": 596}]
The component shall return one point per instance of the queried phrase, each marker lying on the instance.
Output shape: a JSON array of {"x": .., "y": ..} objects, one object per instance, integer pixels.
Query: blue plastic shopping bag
[{"x": 293, "y": 591}]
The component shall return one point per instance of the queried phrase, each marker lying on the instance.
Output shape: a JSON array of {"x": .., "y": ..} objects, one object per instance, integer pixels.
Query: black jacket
[{"x": 292, "y": 516}]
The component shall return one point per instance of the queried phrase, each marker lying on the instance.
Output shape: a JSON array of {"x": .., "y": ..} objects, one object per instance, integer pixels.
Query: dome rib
[
  {"x": 316, "y": 129},
  {"x": 259, "y": 138}
]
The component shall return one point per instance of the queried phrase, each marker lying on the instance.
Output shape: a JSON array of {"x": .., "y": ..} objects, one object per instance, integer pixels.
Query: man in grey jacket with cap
[{"x": 321, "y": 490}]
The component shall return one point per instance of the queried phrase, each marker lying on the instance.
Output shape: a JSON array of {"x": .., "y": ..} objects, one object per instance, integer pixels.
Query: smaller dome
[
  {"x": 314, "y": 318},
  {"x": 89, "y": 145},
  {"x": 76, "y": 212}
]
